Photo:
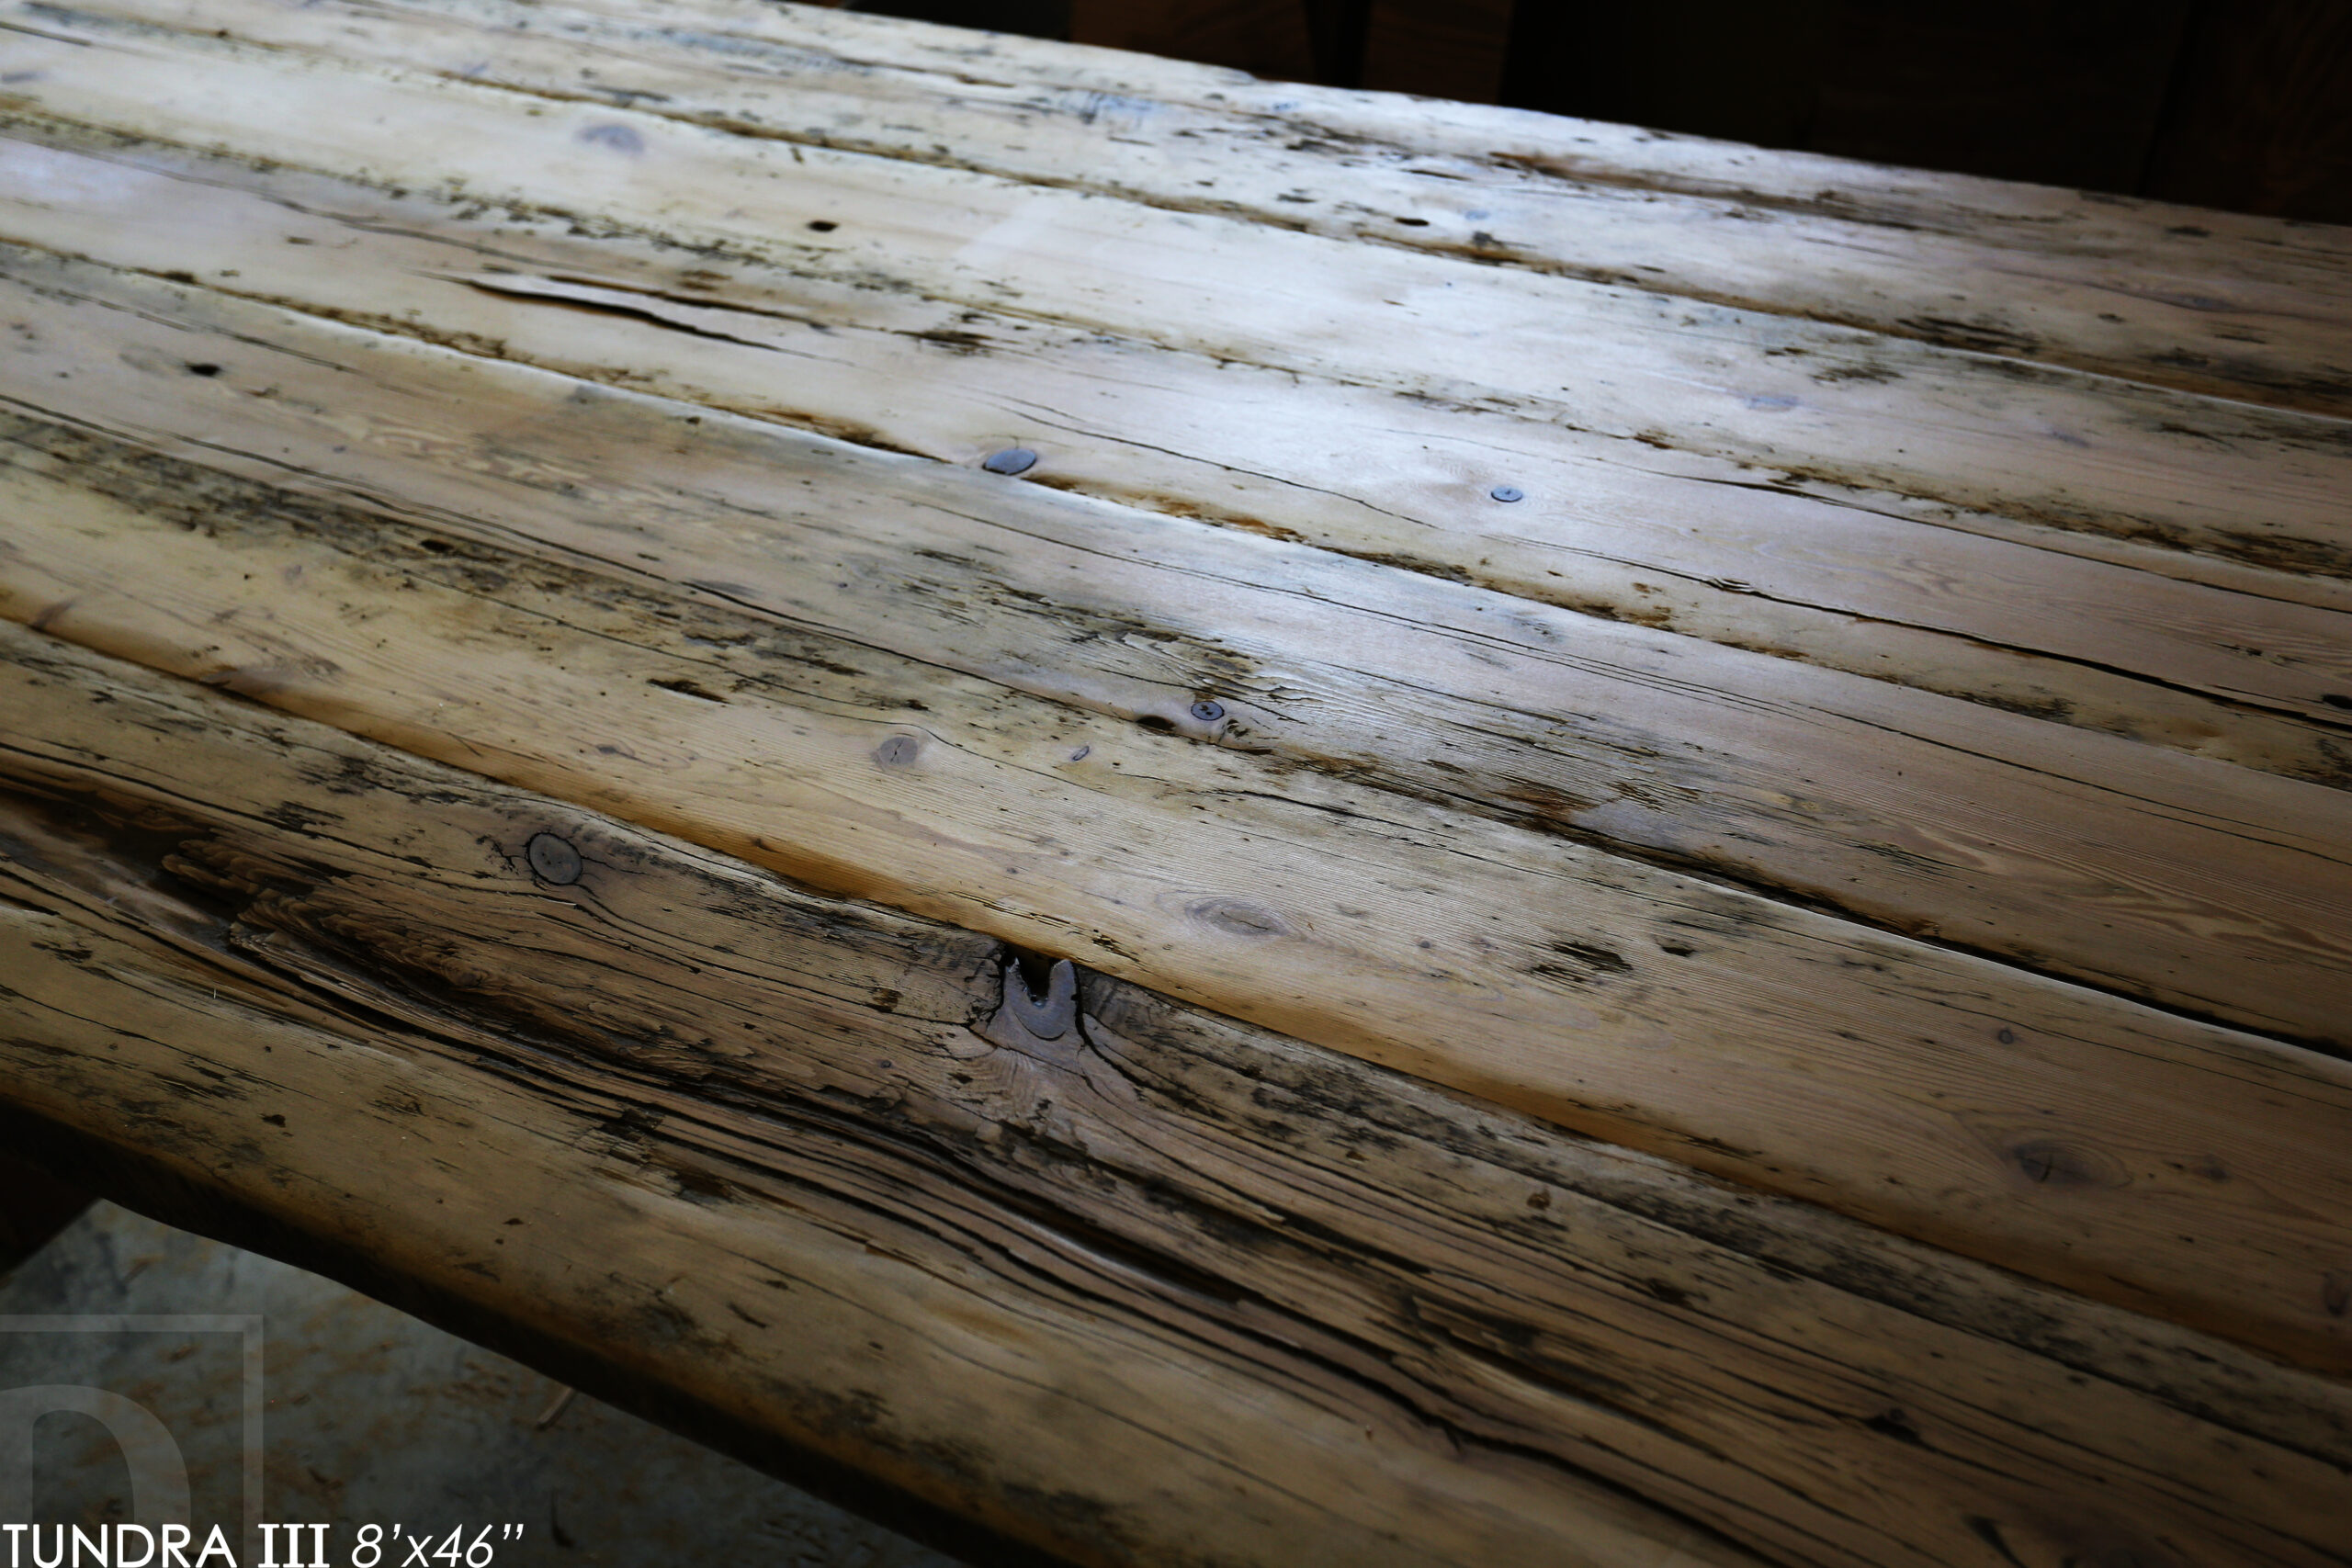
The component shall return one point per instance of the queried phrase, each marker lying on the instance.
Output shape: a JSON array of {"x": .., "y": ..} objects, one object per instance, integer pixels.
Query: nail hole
[
  {"x": 1414, "y": 222},
  {"x": 204, "y": 370},
  {"x": 823, "y": 225}
]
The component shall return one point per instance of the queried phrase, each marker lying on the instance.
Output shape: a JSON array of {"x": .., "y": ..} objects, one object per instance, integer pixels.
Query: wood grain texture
[
  {"x": 2174, "y": 296},
  {"x": 784, "y": 1165},
  {"x": 2215, "y": 890},
  {"x": 2123, "y": 1152},
  {"x": 1861, "y": 711},
  {"x": 2241, "y": 674},
  {"x": 1782, "y": 394}
]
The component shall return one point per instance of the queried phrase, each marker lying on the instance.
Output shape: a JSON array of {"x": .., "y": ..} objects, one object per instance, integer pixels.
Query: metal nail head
[
  {"x": 1208, "y": 713},
  {"x": 1011, "y": 460},
  {"x": 1508, "y": 493},
  {"x": 553, "y": 859}
]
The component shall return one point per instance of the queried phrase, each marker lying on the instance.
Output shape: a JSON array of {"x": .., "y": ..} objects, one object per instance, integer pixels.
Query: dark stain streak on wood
[
  {"x": 521, "y": 399},
  {"x": 1106, "y": 1175}
]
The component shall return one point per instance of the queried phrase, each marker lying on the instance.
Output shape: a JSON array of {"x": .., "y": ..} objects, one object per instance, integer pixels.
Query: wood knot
[
  {"x": 1239, "y": 916},
  {"x": 2051, "y": 1163}
]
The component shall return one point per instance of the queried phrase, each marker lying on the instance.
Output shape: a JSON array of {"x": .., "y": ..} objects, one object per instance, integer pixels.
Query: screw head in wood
[
  {"x": 553, "y": 859},
  {"x": 1508, "y": 493},
  {"x": 1011, "y": 460},
  {"x": 1207, "y": 712}
]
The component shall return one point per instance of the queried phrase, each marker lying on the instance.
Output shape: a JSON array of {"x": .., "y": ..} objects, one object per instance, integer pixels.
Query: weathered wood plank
[
  {"x": 2205, "y": 301},
  {"x": 2130, "y": 1154},
  {"x": 933, "y": 1383},
  {"x": 1533, "y": 855},
  {"x": 782, "y": 1163},
  {"x": 1955, "y": 429},
  {"x": 2214, "y": 890},
  {"x": 2243, "y": 676}
]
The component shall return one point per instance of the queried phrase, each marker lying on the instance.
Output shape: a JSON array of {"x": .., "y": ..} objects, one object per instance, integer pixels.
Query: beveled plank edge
[{"x": 1800, "y": 1236}]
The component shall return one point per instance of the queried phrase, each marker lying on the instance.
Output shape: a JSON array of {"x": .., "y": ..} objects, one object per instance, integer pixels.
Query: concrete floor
[{"x": 365, "y": 1414}]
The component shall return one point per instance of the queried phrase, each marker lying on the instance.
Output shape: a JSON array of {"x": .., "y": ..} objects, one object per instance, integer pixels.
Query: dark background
[{"x": 2238, "y": 103}]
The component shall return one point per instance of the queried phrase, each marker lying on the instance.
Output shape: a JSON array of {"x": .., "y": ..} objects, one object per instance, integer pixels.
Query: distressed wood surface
[
  {"x": 2234, "y": 671},
  {"x": 788, "y": 1162},
  {"x": 2174, "y": 296},
  {"x": 2057, "y": 1130},
  {"x": 1779, "y": 393},
  {"x": 1834, "y": 681},
  {"x": 2214, "y": 891}
]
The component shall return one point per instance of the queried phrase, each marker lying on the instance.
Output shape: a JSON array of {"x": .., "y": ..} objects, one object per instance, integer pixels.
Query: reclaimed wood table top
[{"x": 1194, "y": 820}]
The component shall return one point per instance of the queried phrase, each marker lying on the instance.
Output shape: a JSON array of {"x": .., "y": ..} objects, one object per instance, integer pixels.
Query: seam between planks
[
  {"x": 2320, "y": 431},
  {"x": 1706, "y": 872},
  {"x": 615, "y": 34}
]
